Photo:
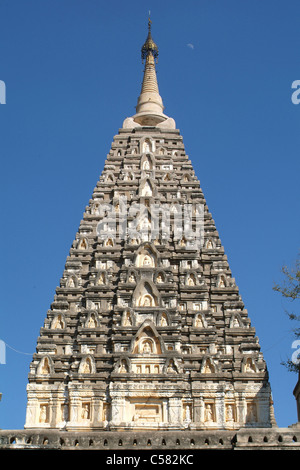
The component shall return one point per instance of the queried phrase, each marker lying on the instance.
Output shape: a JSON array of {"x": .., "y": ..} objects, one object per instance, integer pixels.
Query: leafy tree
[{"x": 290, "y": 289}]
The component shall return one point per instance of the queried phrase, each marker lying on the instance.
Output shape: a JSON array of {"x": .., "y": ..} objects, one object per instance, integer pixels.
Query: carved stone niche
[{"x": 147, "y": 340}]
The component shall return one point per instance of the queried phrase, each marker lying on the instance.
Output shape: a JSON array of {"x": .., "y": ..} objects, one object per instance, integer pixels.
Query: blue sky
[{"x": 73, "y": 73}]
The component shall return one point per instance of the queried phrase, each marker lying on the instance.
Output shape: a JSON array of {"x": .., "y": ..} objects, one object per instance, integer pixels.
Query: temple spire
[
  {"x": 149, "y": 54},
  {"x": 149, "y": 109},
  {"x": 150, "y": 106}
]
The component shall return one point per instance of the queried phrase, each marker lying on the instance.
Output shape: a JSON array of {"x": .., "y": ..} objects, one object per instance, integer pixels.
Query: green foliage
[{"x": 290, "y": 289}]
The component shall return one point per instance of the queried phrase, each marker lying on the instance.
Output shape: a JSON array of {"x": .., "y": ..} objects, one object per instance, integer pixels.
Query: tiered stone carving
[{"x": 147, "y": 329}]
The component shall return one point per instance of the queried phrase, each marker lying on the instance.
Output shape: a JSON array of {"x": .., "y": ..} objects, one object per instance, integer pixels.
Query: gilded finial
[
  {"x": 149, "y": 47},
  {"x": 149, "y": 21}
]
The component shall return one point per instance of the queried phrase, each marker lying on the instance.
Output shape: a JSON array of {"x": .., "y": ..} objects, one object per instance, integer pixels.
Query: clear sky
[{"x": 73, "y": 73}]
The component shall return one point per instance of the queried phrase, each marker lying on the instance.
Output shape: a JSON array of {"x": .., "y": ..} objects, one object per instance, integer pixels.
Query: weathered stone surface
[
  {"x": 147, "y": 330},
  {"x": 243, "y": 439}
]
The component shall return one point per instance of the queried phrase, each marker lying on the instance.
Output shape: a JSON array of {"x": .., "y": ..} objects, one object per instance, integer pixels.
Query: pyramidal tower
[{"x": 147, "y": 330}]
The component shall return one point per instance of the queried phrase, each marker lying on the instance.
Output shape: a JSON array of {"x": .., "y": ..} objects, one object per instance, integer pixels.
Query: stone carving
[
  {"x": 147, "y": 347},
  {"x": 251, "y": 413},
  {"x": 136, "y": 300},
  {"x": 249, "y": 366},
  {"x": 85, "y": 413},
  {"x": 229, "y": 413},
  {"x": 58, "y": 323},
  {"x": 209, "y": 414},
  {"x": 44, "y": 413},
  {"x": 45, "y": 366},
  {"x": 83, "y": 244},
  {"x": 72, "y": 281}
]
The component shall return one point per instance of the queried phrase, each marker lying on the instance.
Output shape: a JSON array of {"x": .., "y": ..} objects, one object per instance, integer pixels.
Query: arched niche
[
  {"x": 147, "y": 145},
  {"x": 132, "y": 277},
  {"x": 128, "y": 176},
  {"x": 87, "y": 365},
  {"x": 101, "y": 278},
  {"x": 167, "y": 177},
  {"x": 163, "y": 319},
  {"x": 147, "y": 162},
  {"x": 171, "y": 366},
  {"x": 208, "y": 366},
  {"x": 146, "y": 256},
  {"x": 209, "y": 244},
  {"x": 222, "y": 281},
  {"x": 200, "y": 321},
  {"x": 162, "y": 151},
  {"x": 109, "y": 242},
  {"x": 145, "y": 295},
  {"x": 186, "y": 178},
  {"x": 92, "y": 320},
  {"x": 109, "y": 177},
  {"x": 249, "y": 365},
  {"x": 58, "y": 322},
  {"x": 191, "y": 279},
  {"x": 72, "y": 281},
  {"x": 123, "y": 365},
  {"x": 128, "y": 318},
  {"x": 176, "y": 208},
  {"x": 160, "y": 278},
  {"x": 146, "y": 188},
  {"x": 144, "y": 222},
  {"x": 82, "y": 244},
  {"x": 147, "y": 340},
  {"x": 134, "y": 240},
  {"x": 45, "y": 366},
  {"x": 236, "y": 321}
]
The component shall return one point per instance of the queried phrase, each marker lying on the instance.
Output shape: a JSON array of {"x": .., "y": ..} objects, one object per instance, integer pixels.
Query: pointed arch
[
  {"x": 162, "y": 151},
  {"x": 101, "y": 278},
  {"x": 249, "y": 365},
  {"x": 72, "y": 281},
  {"x": 109, "y": 242},
  {"x": 171, "y": 366},
  {"x": 147, "y": 162},
  {"x": 109, "y": 177},
  {"x": 160, "y": 277},
  {"x": 132, "y": 276},
  {"x": 92, "y": 320},
  {"x": 209, "y": 244},
  {"x": 45, "y": 366},
  {"x": 58, "y": 322},
  {"x": 83, "y": 244},
  {"x": 128, "y": 318},
  {"x": 236, "y": 321},
  {"x": 144, "y": 221},
  {"x": 200, "y": 321},
  {"x": 191, "y": 279},
  {"x": 145, "y": 295},
  {"x": 123, "y": 365},
  {"x": 176, "y": 208},
  {"x": 147, "y": 145},
  {"x": 147, "y": 334},
  {"x": 146, "y": 256},
  {"x": 167, "y": 177},
  {"x": 163, "y": 319},
  {"x": 222, "y": 281},
  {"x": 147, "y": 188},
  {"x": 208, "y": 366},
  {"x": 87, "y": 365}
]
